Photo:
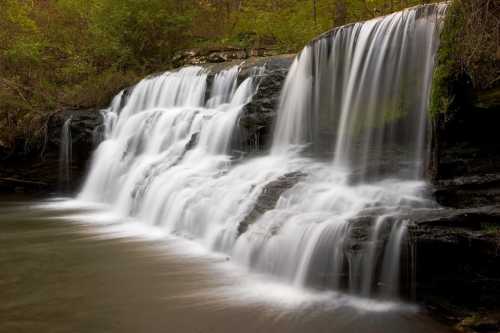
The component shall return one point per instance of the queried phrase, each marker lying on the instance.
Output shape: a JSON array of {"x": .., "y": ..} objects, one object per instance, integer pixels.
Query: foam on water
[{"x": 251, "y": 288}]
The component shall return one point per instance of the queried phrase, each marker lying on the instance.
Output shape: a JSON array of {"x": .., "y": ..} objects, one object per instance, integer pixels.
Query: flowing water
[
  {"x": 346, "y": 161},
  {"x": 69, "y": 267},
  {"x": 65, "y": 156},
  {"x": 167, "y": 157}
]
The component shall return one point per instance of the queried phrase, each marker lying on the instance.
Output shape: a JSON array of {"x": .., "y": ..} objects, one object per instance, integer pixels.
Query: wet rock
[
  {"x": 469, "y": 191},
  {"x": 465, "y": 159},
  {"x": 86, "y": 128},
  {"x": 256, "y": 122},
  {"x": 253, "y": 132},
  {"x": 269, "y": 197},
  {"x": 39, "y": 171},
  {"x": 450, "y": 254},
  {"x": 480, "y": 323},
  {"x": 192, "y": 141},
  {"x": 456, "y": 257},
  {"x": 458, "y": 250}
]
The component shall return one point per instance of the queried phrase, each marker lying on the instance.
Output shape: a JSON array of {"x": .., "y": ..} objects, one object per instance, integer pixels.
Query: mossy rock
[{"x": 447, "y": 69}]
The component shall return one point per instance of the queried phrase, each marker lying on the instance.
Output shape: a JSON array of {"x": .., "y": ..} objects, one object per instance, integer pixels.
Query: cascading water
[
  {"x": 359, "y": 92},
  {"x": 65, "y": 156},
  {"x": 365, "y": 87}
]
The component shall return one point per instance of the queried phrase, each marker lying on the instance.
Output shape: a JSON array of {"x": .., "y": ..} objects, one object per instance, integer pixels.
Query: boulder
[
  {"x": 255, "y": 126},
  {"x": 269, "y": 197}
]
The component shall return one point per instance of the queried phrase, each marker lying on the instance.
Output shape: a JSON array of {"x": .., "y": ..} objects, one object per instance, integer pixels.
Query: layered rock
[
  {"x": 253, "y": 132},
  {"x": 39, "y": 171},
  {"x": 465, "y": 165},
  {"x": 255, "y": 126},
  {"x": 458, "y": 247},
  {"x": 269, "y": 197}
]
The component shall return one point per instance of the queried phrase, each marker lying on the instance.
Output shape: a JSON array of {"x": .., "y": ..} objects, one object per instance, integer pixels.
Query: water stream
[
  {"x": 359, "y": 93},
  {"x": 65, "y": 156}
]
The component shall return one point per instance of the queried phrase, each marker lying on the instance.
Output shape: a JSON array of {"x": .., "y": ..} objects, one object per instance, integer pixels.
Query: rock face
[
  {"x": 458, "y": 247},
  {"x": 465, "y": 165},
  {"x": 269, "y": 197},
  {"x": 457, "y": 261},
  {"x": 253, "y": 132},
  {"x": 255, "y": 126},
  {"x": 39, "y": 172}
]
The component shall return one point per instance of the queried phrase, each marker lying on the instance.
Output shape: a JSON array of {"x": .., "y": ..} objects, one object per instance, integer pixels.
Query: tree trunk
[
  {"x": 340, "y": 12},
  {"x": 315, "y": 11}
]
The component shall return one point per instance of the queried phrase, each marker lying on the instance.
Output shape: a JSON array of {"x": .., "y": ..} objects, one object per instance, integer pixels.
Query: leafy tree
[{"x": 56, "y": 54}]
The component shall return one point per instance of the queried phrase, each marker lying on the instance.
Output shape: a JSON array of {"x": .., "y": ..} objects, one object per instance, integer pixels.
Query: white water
[
  {"x": 166, "y": 158},
  {"x": 65, "y": 156}
]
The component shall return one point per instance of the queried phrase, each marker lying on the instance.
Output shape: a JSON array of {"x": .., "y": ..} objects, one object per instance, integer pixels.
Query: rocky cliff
[
  {"x": 38, "y": 171},
  {"x": 458, "y": 246}
]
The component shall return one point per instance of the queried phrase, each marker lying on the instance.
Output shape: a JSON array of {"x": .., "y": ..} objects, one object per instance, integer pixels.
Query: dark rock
[
  {"x": 253, "y": 132},
  {"x": 39, "y": 171},
  {"x": 465, "y": 159},
  {"x": 469, "y": 191},
  {"x": 86, "y": 129},
  {"x": 456, "y": 255},
  {"x": 269, "y": 197},
  {"x": 192, "y": 141},
  {"x": 255, "y": 125},
  {"x": 489, "y": 323},
  {"x": 457, "y": 250},
  {"x": 450, "y": 255}
]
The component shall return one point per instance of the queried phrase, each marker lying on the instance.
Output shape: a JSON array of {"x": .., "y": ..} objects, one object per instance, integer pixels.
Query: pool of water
[{"x": 66, "y": 266}]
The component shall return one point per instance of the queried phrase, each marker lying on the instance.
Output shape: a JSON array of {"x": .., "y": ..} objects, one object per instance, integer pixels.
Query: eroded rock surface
[
  {"x": 269, "y": 197},
  {"x": 39, "y": 171}
]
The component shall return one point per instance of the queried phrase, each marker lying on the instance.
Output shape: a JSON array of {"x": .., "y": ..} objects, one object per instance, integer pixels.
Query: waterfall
[
  {"x": 367, "y": 86},
  {"x": 65, "y": 156},
  {"x": 359, "y": 93}
]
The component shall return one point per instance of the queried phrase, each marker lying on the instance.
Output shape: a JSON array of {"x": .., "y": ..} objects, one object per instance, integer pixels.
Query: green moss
[
  {"x": 447, "y": 67},
  {"x": 491, "y": 229},
  {"x": 467, "y": 56}
]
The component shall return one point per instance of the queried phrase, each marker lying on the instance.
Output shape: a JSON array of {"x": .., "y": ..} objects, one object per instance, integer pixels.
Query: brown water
[{"x": 69, "y": 269}]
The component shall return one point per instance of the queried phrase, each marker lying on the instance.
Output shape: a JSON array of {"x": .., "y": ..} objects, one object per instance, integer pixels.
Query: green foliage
[
  {"x": 491, "y": 229},
  {"x": 447, "y": 63},
  {"x": 288, "y": 28},
  {"x": 141, "y": 32},
  {"x": 468, "y": 47},
  {"x": 56, "y": 54},
  {"x": 79, "y": 53}
]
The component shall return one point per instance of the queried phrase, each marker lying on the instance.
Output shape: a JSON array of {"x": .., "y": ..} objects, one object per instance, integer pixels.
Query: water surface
[{"x": 69, "y": 268}]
